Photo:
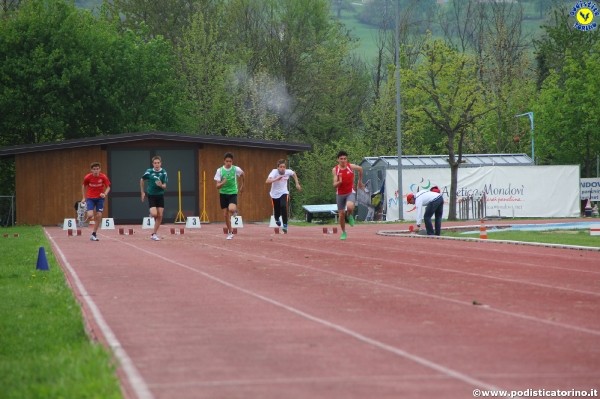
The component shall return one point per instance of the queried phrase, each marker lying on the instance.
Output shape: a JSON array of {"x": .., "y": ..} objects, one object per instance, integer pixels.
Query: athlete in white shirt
[{"x": 278, "y": 178}]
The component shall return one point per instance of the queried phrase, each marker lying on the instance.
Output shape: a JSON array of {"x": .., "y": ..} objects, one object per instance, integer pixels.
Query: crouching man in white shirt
[{"x": 434, "y": 205}]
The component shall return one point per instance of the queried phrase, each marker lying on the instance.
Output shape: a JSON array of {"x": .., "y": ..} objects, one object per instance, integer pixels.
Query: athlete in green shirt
[
  {"x": 156, "y": 183},
  {"x": 230, "y": 182}
]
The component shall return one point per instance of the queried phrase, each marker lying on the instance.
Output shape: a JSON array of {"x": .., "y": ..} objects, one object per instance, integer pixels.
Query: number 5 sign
[{"x": 107, "y": 224}]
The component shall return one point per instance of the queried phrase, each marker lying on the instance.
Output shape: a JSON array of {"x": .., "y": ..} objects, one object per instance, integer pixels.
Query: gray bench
[{"x": 328, "y": 210}]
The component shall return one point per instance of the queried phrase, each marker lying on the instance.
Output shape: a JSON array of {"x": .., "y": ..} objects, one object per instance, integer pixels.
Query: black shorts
[
  {"x": 156, "y": 201},
  {"x": 227, "y": 199}
]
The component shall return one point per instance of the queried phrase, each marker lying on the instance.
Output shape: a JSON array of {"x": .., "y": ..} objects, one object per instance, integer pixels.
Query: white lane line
[
  {"x": 408, "y": 290},
  {"x": 362, "y": 338},
  {"x": 547, "y": 255},
  {"x": 302, "y": 380},
  {"x": 415, "y": 265},
  {"x": 135, "y": 379}
]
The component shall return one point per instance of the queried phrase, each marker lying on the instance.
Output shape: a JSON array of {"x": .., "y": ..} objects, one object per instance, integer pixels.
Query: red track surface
[{"x": 308, "y": 316}]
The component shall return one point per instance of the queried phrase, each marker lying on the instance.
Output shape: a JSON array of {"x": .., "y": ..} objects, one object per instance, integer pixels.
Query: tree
[
  {"x": 411, "y": 38},
  {"x": 540, "y": 6},
  {"x": 166, "y": 18},
  {"x": 259, "y": 68},
  {"x": 567, "y": 66},
  {"x": 416, "y": 13},
  {"x": 7, "y": 6},
  {"x": 296, "y": 46},
  {"x": 444, "y": 90},
  {"x": 492, "y": 31},
  {"x": 570, "y": 136},
  {"x": 206, "y": 63},
  {"x": 559, "y": 40},
  {"x": 66, "y": 74}
]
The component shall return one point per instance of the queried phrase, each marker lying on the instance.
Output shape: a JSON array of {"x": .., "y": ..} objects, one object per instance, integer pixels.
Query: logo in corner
[{"x": 585, "y": 13}]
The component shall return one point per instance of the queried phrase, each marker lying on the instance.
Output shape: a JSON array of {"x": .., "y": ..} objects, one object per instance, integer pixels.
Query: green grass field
[
  {"x": 44, "y": 350},
  {"x": 563, "y": 237}
]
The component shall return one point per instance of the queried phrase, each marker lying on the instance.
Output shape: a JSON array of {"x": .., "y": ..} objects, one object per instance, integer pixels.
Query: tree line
[{"x": 287, "y": 70}]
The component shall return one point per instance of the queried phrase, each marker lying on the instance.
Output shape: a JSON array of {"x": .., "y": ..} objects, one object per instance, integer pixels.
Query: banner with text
[
  {"x": 514, "y": 191},
  {"x": 590, "y": 189}
]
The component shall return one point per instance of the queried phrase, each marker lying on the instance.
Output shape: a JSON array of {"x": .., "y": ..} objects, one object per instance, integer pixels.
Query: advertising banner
[
  {"x": 590, "y": 189},
  {"x": 514, "y": 191}
]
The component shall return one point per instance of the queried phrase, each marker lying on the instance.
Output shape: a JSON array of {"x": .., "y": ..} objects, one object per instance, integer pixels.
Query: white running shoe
[
  {"x": 230, "y": 236},
  {"x": 155, "y": 237},
  {"x": 94, "y": 238}
]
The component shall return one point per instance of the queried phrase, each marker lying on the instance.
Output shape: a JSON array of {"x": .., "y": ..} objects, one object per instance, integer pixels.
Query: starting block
[
  {"x": 122, "y": 232},
  {"x": 74, "y": 232},
  {"x": 177, "y": 231},
  {"x": 327, "y": 230},
  {"x": 225, "y": 230}
]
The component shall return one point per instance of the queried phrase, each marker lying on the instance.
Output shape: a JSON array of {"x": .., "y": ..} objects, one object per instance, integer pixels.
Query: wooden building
[{"x": 49, "y": 175}]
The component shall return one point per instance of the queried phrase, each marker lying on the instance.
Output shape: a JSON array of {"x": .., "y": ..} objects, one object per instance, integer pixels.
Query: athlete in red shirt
[
  {"x": 94, "y": 189},
  {"x": 343, "y": 181}
]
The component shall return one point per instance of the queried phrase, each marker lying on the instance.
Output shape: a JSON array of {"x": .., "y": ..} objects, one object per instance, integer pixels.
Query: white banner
[
  {"x": 511, "y": 191},
  {"x": 589, "y": 189}
]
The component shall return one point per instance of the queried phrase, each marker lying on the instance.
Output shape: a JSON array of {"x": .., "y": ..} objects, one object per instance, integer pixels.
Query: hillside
[{"x": 350, "y": 16}]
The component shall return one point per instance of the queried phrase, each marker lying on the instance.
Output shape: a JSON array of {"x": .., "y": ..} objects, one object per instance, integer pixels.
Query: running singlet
[
  {"x": 347, "y": 186},
  {"x": 230, "y": 187},
  {"x": 95, "y": 184}
]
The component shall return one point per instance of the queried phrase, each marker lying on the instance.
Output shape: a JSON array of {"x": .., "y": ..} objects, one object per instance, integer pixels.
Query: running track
[{"x": 308, "y": 316}]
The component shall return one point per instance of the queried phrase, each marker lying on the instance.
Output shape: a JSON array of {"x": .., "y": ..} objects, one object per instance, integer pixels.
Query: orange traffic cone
[{"x": 482, "y": 231}]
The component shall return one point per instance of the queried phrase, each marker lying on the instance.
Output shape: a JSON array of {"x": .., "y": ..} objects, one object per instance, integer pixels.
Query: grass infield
[
  {"x": 580, "y": 237},
  {"x": 44, "y": 349}
]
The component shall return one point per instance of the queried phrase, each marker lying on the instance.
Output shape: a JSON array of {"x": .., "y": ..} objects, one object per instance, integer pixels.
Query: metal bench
[{"x": 311, "y": 211}]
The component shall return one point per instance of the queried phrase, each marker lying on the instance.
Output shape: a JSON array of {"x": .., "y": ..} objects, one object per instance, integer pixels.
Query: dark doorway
[{"x": 127, "y": 165}]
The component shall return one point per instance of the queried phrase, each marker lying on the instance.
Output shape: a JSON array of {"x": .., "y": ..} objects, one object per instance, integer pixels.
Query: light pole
[
  {"x": 530, "y": 115},
  {"x": 398, "y": 113}
]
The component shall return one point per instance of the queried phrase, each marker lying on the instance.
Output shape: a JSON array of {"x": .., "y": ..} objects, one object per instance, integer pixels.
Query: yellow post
[
  {"x": 179, "y": 218},
  {"x": 204, "y": 216}
]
